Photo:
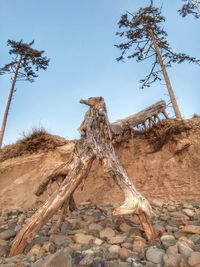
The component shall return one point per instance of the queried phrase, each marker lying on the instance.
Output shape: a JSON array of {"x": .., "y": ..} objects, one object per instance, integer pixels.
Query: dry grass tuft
[{"x": 37, "y": 141}]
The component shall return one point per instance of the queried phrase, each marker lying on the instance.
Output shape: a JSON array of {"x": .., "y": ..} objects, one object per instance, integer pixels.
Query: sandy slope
[{"x": 165, "y": 174}]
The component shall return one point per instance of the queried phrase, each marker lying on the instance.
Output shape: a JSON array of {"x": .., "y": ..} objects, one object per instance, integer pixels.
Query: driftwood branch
[
  {"x": 95, "y": 142},
  {"x": 51, "y": 176}
]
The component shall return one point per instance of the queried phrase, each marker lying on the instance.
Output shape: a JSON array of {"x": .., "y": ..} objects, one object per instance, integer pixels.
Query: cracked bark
[{"x": 95, "y": 142}]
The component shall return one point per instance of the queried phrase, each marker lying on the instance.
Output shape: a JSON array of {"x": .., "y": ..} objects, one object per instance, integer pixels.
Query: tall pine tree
[
  {"x": 145, "y": 39},
  {"x": 26, "y": 62}
]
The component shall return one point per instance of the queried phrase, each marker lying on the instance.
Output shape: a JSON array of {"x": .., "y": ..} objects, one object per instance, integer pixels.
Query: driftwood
[
  {"x": 146, "y": 117},
  {"x": 95, "y": 143}
]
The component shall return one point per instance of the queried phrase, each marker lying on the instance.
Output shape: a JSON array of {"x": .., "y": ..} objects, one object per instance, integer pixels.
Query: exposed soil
[{"x": 171, "y": 173}]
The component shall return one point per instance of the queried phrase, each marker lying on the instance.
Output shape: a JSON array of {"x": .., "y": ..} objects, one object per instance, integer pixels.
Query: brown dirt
[{"x": 172, "y": 173}]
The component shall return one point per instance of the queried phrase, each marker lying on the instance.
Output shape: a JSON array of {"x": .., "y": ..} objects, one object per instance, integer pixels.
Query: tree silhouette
[
  {"x": 145, "y": 39},
  {"x": 190, "y": 7},
  {"x": 25, "y": 64}
]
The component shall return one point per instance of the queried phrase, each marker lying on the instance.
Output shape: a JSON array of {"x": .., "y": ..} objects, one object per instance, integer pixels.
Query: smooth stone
[
  {"x": 179, "y": 214},
  {"x": 158, "y": 229},
  {"x": 187, "y": 206},
  {"x": 125, "y": 228},
  {"x": 172, "y": 250},
  {"x": 118, "y": 239},
  {"x": 60, "y": 240},
  {"x": 172, "y": 229},
  {"x": 7, "y": 234},
  {"x": 114, "y": 249},
  {"x": 194, "y": 258},
  {"x": 124, "y": 253},
  {"x": 83, "y": 239},
  {"x": 184, "y": 249},
  {"x": 139, "y": 245},
  {"x": 193, "y": 229},
  {"x": 59, "y": 259},
  {"x": 98, "y": 242},
  {"x": 188, "y": 212},
  {"x": 35, "y": 250},
  {"x": 171, "y": 208},
  {"x": 168, "y": 240},
  {"x": 107, "y": 233},
  {"x": 171, "y": 260},
  {"x": 95, "y": 227},
  {"x": 155, "y": 255}
]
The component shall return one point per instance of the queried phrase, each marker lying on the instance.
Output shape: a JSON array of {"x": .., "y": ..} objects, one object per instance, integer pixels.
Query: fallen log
[
  {"x": 95, "y": 142},
  {"x": 148, "y": 115}
]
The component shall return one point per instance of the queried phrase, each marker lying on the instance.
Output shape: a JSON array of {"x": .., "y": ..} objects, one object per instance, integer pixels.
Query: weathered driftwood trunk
[
  {"x": 146, "y": 117},
  {"x": 95, "y": 142}
]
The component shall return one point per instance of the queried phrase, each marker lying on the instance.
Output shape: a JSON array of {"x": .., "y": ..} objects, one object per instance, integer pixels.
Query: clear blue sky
[{"x": 78, "y": 37}]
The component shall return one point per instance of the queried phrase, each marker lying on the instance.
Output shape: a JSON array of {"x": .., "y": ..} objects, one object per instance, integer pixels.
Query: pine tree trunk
[
  {"x": 3, "y": 127},
  {"x": 166, "y": 77}
]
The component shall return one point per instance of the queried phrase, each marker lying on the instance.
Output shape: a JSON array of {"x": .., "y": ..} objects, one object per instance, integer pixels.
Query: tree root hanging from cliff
[{"x": 165, "y": 132}]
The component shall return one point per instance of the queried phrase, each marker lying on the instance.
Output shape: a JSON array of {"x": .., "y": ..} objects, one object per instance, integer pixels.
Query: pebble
[
  {"x": 60, "y": 240},
  {"x": 171, "y": 260},
  {"x": 193, "y": 229},
  {"x": 95, "y": 227},
  {"x": 98, "y": 242},
  {"x": 188, "y": 212},
  {"x": 118, "y": 239},
  {"x": 107, "y": 233},
  {"x": 83, "y": 238},
  {"x": 184, "y": 249},
  {"x": 91, "y": 236},
  {"x": 5, "y": 235},
  {"x": 139, "y": 244},
  {"x": 167, "y": 240},
  {"x": 194, "y": 258},
  {"x": 155, "y": 255},
  {"x": 172, "y": 250},
  {"x": 59, "y": 259},
  {"x": 124, "y": 253},
  {"x": 114, "y": 249},
  {"x": 171, "y": 208},
  {"x": 35, "y": 250},
  {"x": 125, "y": 228}
]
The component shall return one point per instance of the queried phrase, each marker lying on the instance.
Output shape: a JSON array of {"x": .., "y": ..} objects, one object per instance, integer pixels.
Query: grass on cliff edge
[{"x": 37, "y": 140}]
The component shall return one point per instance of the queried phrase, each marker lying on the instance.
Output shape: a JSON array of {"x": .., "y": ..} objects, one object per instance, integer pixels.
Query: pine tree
[
  {"x": 25, "y": 64},
  {"x": 190, "y": 7},
  {"x": 145, "y": 39}
]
